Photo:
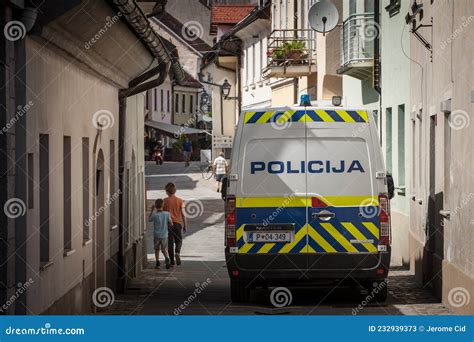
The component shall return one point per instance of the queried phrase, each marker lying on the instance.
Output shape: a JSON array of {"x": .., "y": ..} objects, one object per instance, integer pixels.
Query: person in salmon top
[{"x": 175, "y": 206}]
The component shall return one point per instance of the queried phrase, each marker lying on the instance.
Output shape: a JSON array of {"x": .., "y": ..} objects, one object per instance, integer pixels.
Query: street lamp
[
  {"x": 225, "y": 88},
  {"x": 204, "y": 99}
]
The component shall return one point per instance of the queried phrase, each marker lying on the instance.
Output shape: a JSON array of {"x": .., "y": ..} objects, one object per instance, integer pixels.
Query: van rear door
[
  {"x": 271, "y": 213},
  {"x": 342, "y": 194}
]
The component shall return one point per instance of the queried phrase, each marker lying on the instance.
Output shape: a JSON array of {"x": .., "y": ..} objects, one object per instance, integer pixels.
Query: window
[
  {"x": 176, "y": 104},
  {"x": 388, "y": 140},
  {"x": 113, "y": 189},
  {"x": 146, "y": 99},
  {"x": 162, "y": 100},
  {"x": 247, "y": 67},
  {"x": 413, "y": 153},
  {"x": 302, "y": 17},
  {"x": 447, "y": 153},
  {"x": 274, "y": 16},
  {"x": 191, "y": 104},
  {"x": 401, "y": 145},
  {"x": 375, "y": 113},
  {"x": 127, "y": 208},
  {"x": 155, "y": 99},
  {"x": 254, "y": 60},
  {"x": 31, "y": 181},
  {"x": 183, "y": 103},
  {"x": 352, "y": 7},
  {"x": 85, "y": 189},
  {"x": 44, "y": 197},
  {"x": 369, "y": 6},
  {"x": 67, "y": 193},
  {"x": 168, "y": 101},
  {"x": 420, "y": 152}
]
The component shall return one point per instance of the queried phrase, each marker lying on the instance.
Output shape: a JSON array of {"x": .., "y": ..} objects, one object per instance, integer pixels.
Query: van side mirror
[
  {"x": 224, "y": 188},
  {"x": 390, "y": 186}
]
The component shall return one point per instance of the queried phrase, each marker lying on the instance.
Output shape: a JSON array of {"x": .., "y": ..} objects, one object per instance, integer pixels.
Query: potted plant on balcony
[
  {"x": 293, "y": 50},
  {"x": 277, "y": 55}
]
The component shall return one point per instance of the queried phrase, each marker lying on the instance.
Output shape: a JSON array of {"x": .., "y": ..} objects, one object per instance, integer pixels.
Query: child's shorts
[{"x": 161, "y": 243}]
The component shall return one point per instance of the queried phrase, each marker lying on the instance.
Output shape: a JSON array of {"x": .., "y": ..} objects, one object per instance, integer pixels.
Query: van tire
[{"x": 239, "y": 291}]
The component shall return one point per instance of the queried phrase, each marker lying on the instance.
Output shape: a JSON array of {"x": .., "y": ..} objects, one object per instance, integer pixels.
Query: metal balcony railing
[
  {"x": 357, "y": 39},
  {"x": 291, "y": 47}
]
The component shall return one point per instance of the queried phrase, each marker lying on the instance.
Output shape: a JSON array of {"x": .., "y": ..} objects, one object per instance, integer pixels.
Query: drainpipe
[
  {"x": 134, "y": 89},
  {"x": 138, "y": 23}
]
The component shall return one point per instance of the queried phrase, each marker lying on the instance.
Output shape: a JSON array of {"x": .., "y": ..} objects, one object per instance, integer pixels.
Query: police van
[{"x": 307, "y": 200}]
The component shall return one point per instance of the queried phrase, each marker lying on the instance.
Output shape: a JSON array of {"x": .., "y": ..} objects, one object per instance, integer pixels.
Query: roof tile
[{"x": 229, "y": 14}]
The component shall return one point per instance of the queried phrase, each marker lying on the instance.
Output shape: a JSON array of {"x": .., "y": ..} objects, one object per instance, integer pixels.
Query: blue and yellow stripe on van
[
  {"x": 316, "y": 237},
  {"x": 317, "y": 115}
]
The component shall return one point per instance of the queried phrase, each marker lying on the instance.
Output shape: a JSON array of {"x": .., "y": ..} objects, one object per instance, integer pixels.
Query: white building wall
[
  {"x": 357, "y": 93},
  {"x": 256, "y": 91},
  {"x": 224, "y": 112},
  {"x": 185, "y": 112},
  {"x": 442, "y": 252},
  {"x": 69, "y": 106},
  {"x": 161, "y": 108},
  {"x": 396, "y": 87}
]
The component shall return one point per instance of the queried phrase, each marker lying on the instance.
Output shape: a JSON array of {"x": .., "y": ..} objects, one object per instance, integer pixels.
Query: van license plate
[{"x": 269, "y": 237}]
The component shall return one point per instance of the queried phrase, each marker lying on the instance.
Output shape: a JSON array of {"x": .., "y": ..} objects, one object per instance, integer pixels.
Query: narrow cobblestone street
[{"x": 163, "y": 292}]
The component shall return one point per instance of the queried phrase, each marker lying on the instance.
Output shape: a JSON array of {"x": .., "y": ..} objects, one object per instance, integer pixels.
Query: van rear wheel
[{"x": 239, "y": 291}]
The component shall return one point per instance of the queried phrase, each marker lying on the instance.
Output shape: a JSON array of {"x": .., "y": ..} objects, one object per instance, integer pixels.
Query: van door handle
[{"x": 324, "y": 215}]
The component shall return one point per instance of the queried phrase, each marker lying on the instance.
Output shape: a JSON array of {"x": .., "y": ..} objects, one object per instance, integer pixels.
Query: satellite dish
[{"x": 323, "y": 16}]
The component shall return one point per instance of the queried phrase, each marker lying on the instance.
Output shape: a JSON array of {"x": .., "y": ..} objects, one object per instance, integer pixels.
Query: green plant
[
  {"x": 293, "y": 50},
  {"x": 278, "y": 54},
  {"x": 293, "y": 46}
]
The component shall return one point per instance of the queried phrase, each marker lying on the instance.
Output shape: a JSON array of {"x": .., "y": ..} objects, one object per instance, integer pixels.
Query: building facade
[
  {"x": 442, "y": 103},
  {"x": 77, "y": 222},
  {"x": 313, "y": 68},
  {"x": 394, "y": 119}
]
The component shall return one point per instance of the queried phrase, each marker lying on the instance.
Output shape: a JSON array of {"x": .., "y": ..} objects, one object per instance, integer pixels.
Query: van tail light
[
  {"x": 230, "y": 221},
  {"x": 384, "y": 216},
  {"x": 317, "y": 203}
]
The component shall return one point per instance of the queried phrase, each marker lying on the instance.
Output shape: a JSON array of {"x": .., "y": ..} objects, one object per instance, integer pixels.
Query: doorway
[
  {"x": 434, "y": 248},
  {"x": 99, "y": 241}
]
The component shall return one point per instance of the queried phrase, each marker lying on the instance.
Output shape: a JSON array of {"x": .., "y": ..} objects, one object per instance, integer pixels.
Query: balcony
[
  {"x": 290, "y": 53},
  {"x": 357, "y": 46}
]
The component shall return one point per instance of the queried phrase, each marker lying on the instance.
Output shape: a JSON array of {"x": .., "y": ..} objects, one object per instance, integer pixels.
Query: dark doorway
[
  {"x": 434, "y": 248},
  {"x": 99, "y": 239}
]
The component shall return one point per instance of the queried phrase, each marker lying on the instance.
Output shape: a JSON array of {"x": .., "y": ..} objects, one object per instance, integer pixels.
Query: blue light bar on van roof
[{"x": 305, "y": 100}]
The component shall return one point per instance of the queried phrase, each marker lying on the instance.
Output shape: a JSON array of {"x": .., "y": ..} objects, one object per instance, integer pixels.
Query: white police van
[{"x": 306, "y": 200}]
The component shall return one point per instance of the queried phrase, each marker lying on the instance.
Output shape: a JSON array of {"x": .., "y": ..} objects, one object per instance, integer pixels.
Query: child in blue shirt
[{"x": 161, "y": 221}]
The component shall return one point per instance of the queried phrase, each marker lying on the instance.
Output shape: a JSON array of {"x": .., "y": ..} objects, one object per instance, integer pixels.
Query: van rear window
[{"x": 326, "y": 166}]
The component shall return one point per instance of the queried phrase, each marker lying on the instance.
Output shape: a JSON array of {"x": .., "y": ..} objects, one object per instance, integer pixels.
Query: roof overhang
[
  {"x": 173, "y": 131},
  {"x": 254, "y": 29}
]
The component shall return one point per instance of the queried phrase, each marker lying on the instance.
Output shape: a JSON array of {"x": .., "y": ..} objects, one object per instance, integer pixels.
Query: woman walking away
[{"x": 175, "y": 206}]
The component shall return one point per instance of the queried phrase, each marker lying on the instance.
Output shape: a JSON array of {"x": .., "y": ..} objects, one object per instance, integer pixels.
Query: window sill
[
  {"x": 69, "y": 252},
  {"x": 87, "y": 242},
  {"x": 45, "y": 265}
]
